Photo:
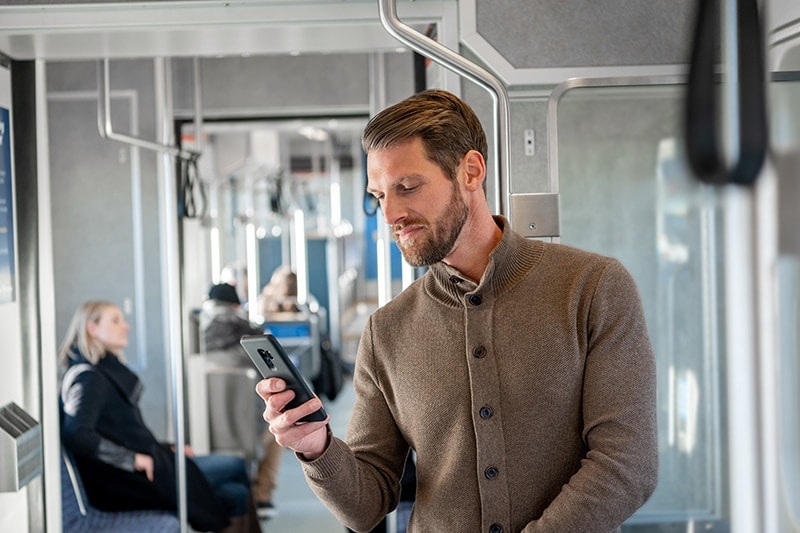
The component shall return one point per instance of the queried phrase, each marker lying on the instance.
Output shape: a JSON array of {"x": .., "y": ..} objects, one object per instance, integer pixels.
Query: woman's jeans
[{"x": 227, "y": 475}]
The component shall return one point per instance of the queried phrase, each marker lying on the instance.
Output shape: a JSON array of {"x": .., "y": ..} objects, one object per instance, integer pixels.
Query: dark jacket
[
  {"x": 102, "y": 426},
  {"x": 222, "y": 325}
]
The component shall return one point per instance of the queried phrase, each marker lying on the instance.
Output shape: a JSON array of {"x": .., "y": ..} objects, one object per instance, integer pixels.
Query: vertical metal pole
[
  {"x": 768, "y": 349},
  {"x": 742, "y": 398},
  {"x": 252, "y": 262},
  {"x": 198, "y": 105},
  {"x": 377, "y": 63},
  {"x": 300, "y": 256},
  {"x": 741, "y": 266},
  {"x": 332, "y": 245},
  {"x": 46, "y": 288},
  {"x": 170, "y": 274}
]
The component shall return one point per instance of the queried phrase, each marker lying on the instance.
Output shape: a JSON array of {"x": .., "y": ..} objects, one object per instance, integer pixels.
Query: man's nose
[{"x": 393, "y": 210}]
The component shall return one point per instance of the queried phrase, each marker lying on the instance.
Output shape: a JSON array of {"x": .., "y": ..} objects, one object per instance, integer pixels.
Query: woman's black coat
[{"x": 102, "y": 426}]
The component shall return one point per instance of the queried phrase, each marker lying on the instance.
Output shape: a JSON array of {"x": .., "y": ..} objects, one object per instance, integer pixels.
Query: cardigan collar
[{"x": 509, "y": 262}]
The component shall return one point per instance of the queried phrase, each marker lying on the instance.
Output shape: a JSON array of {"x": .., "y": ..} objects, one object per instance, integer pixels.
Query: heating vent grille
[{"x": 20, "y": 448}]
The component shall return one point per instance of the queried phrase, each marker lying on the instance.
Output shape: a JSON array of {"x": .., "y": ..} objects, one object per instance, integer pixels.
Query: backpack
[{"x": 330, "y": 379}]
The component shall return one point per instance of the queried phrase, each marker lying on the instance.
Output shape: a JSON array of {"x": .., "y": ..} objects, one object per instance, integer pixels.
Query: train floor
[{"x": 298, "y": 509}]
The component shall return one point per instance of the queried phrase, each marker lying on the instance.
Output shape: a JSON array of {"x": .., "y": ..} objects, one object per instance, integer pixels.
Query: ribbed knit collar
[{"x": 509, "y": 262}]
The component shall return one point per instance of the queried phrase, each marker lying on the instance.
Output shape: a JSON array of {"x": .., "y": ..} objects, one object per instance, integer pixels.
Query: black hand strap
[
  {"x": 703, "y": 147},
  {"x": 191, "y": 189}
]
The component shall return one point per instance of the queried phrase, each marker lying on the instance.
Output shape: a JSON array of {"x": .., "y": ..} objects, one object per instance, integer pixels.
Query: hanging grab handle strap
[{"x": 702, "y": 107}]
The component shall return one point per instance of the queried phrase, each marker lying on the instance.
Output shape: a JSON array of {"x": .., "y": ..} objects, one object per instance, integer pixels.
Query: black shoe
[{"x": 266, "y": 510}]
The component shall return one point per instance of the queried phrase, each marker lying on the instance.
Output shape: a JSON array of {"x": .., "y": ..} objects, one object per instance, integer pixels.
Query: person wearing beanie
[
  {"x": 223, "y": 292},
  {"x": 223, "y": 323}
]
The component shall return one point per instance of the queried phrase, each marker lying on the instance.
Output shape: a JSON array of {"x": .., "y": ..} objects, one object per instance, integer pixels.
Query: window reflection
[{"x": 626, "y": 192}]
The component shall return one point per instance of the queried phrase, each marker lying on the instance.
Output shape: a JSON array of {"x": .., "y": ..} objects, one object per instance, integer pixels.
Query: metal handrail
[
  {"x": 170, "y": 261},
  {"x": 107, "y": 130},
  {"x": 458, "y": 64}
]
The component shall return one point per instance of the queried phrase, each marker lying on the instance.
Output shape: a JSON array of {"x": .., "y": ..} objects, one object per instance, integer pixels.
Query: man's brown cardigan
[{"x": 528, "y": 398}]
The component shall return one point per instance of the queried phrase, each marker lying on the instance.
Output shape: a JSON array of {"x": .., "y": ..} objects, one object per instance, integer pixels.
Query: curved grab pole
[
  {"x": 107, "y": 131},
  {"x": 452, "y": 61}
]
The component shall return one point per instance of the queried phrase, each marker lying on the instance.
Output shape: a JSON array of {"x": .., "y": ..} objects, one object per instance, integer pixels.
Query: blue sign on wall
[{"x": 6, "y": 212}]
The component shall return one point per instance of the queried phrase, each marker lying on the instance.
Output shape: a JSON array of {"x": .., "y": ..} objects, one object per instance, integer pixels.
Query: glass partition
[{"x": 626, "y": 191}]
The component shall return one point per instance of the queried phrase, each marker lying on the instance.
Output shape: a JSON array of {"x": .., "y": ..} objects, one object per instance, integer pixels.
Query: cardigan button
[
  {"x": 475, "y": 299},
  {"x": 455, "y": 279},
  {"x": 486, "y": 412},
  {"x": 479, "y": 352},
  {"x": 495, "y": 528},
  {"x": 491, "y": 472}
]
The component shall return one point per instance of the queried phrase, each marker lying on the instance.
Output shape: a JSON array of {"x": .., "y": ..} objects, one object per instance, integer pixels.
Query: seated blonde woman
[{"x": 122, "y": 464}]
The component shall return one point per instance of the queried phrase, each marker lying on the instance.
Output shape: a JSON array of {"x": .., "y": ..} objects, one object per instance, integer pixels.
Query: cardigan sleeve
[
  {"x": 359, "y": 481},
  {"x": 82, "y": 397},
  {"x": 620, "y": 469}
]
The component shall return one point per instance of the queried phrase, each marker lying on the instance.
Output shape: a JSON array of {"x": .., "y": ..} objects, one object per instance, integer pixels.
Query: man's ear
[{"x": 474, "y": 170}]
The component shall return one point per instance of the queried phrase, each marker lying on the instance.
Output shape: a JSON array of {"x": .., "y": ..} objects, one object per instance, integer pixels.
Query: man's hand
[{"x": 309, "y": 439}]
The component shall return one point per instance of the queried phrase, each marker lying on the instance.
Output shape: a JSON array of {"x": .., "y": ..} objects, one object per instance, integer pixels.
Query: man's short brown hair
[{"x": 447, "y": 126}]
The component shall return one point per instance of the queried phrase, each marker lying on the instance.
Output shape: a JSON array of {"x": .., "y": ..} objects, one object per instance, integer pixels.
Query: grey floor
[{"x": 299, "y": 511}]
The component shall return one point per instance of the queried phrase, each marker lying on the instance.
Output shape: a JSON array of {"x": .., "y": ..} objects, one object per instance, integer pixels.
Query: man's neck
[{"x": 477, "y": 240}]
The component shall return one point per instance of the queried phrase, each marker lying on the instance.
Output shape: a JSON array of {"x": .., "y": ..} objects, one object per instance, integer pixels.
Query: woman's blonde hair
[
  {"x": 77, "y": 335},
  {"x": 280, "y": 294}
]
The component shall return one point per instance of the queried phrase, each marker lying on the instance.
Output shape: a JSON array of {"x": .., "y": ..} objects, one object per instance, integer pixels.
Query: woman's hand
[
  {"x": 187, "y": 450},
  {"x": 144, "y": 463},
  {"x": 309, "y": 439}
]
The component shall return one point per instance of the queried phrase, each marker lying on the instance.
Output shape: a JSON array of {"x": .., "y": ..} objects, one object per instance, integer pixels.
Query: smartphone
[{"x": 272, "y": 361}]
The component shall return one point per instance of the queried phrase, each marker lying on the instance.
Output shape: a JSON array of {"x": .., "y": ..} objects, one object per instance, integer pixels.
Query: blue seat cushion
[{"x": 77, "y": 515}]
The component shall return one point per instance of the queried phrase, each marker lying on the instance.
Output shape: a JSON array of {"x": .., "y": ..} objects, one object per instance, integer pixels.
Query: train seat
[
  {"x": 235, "y": 423},
  {"x": 77, "y": 515}
]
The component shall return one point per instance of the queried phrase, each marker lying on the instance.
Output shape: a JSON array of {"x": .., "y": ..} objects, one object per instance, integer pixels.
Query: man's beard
[{"x": 432, "y": 248}]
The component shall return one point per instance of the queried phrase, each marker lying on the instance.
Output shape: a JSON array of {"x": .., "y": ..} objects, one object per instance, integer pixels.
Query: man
[{"x": 520, "y": 372}]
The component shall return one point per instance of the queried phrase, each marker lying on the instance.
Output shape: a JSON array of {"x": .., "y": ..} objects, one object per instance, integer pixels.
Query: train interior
[{"x": 153, "y": 149}]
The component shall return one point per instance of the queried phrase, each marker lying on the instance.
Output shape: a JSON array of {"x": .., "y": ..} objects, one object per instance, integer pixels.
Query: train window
[{"x": 626, "y": 191}]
